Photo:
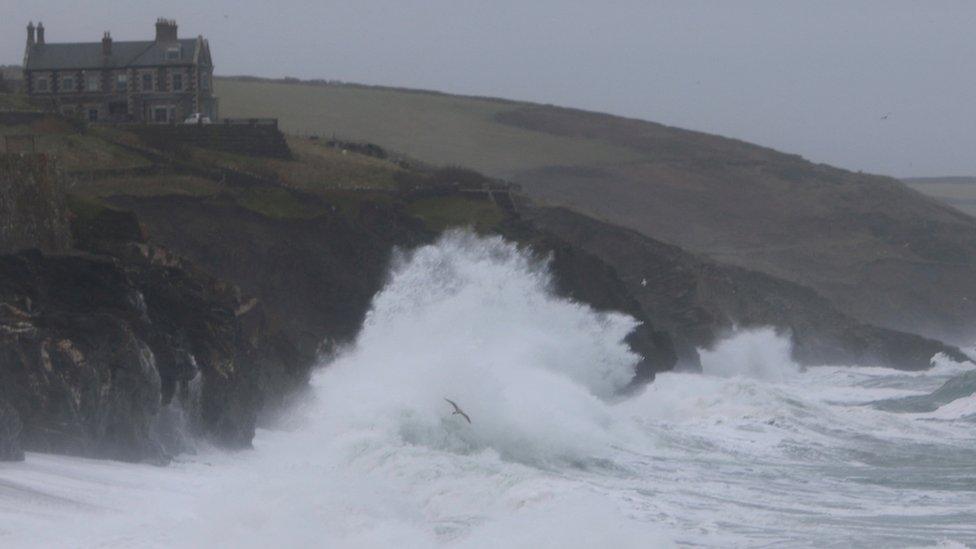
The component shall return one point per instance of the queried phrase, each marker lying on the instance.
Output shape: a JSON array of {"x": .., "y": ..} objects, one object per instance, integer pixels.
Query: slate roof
[{"x": 88, "y": 55}]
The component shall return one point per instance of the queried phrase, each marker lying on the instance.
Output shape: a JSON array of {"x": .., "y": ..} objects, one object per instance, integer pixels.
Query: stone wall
[
  {"x": 32, "y": 208},
  {"x": 246, "y": 139}
]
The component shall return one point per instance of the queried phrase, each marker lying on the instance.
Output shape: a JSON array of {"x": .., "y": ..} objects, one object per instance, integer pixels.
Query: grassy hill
[{"x": 878, "y": 249}]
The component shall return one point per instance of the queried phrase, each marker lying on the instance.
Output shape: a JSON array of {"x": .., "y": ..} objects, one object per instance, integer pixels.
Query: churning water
[{"x": 752, "y": 452}]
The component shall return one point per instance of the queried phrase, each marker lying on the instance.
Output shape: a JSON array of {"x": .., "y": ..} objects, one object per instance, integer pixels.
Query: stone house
[{"x": 160, "y": 81}]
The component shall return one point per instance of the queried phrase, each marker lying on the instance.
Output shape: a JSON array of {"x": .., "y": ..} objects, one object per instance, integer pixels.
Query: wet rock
[
  {"x": 10, "y": 427},
  {"x": 697, "y": 300}
]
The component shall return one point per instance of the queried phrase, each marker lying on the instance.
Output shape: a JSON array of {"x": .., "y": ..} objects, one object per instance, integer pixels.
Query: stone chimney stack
[
  {"x": 40, "y": 32},
  {"x": 30, "y": 34},
  {"x": 165, "y": 30},
  {"x": 106, "y": 44}
]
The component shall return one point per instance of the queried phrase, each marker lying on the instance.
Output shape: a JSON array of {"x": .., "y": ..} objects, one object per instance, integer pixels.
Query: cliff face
[
  {"x": 32, "y": 209},
  {"x": 318, "y": 276},
  {"x": 697, "y": 300},
  {"x": 127, "y": 353}
]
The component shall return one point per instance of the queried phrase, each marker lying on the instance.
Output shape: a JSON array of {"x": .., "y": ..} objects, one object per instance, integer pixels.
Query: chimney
[
  {"x": 30, "y": 33},
  {"x": 40, "y": 32},
  {"x": 106, "y": 44},
  {"x": 165, "y": 30}
]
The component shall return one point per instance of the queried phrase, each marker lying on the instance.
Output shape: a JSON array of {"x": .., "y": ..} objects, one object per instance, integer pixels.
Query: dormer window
[{"x": 173, "y": 53}]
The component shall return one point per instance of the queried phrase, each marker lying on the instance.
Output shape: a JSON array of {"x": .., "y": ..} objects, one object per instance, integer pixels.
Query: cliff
[
  {"x": 697, "y": 300},
  {"x": 201, "y": 287},
  {"x": 120, "y": 349},
  {"x": 32, "y": 208}
]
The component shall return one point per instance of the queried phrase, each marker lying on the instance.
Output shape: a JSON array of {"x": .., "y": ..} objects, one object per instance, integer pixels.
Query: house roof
[{"x": 88, "y": 55}]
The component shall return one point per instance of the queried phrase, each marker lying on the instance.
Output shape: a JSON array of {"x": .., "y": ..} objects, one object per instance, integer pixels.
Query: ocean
[{"x": 754, "y": 451}]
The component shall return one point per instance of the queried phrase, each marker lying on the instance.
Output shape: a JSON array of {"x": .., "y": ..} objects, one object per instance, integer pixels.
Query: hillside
[
  {"x": 879, "y": 250},
  {"x": 958, "y": 192}
]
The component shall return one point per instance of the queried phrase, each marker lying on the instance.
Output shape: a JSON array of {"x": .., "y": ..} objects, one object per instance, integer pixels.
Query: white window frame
[
  {"x": 121, "y": 82},
  {"x": 93, "y": 83}
]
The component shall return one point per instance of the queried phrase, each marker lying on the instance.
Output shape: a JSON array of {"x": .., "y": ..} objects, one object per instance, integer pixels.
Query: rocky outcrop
[
  {"x": 318, "y": 276},
  {"x": 10, "y": 426},
  {"x": 315, "y": 277},
  {"x": 697, "y": 301},
  {"x": 125, "y": 356},
  {"x": 582, "y": 276},
  {"x": 32, "y": 208}
]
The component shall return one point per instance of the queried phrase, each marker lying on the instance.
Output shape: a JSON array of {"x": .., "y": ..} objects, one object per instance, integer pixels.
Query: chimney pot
[
  {"x": 165, "y": 30},
  {"x": 107, "y": 44},
  {"x": 31, "y": 37},
  {"x": 40, "y": 32}
]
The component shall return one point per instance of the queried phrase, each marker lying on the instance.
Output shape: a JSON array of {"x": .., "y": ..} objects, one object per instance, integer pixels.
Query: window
[
  {"x": 41, "y": 84},
  {"x": 160, "y": 115},
  {"x": 147, "y": 82},
  {"x": 177, "y": 82},
  {"x": 173, "y": 54},
  {"x": 121, "y": 82},
  {"x": 204, "y": 81},
  {"x": 92, "y": 83},
  {"x": 93, "y": 115},
  {"x": 67, "y": 84}
]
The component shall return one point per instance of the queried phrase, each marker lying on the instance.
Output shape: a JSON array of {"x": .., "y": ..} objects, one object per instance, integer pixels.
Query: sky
[{"x": 883, "y": 86}]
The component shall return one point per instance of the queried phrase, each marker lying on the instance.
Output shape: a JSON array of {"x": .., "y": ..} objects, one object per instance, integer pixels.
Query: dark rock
[
  {"x": 583, "y": 277},
  {"x": 315, "y": 277},
  {"x": 696, "y": 300},
  {"x": 32, "y": 208},
  {"x": 318, "y": 276},
  {"x": 10, "y": 427},
  {"x": 93, "y": 347}
]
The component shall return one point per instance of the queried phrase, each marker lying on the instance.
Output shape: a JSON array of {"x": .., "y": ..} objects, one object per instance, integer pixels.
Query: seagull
[
  {"x": 886, "y": 115},
  {"x": 458, "y": 410}
]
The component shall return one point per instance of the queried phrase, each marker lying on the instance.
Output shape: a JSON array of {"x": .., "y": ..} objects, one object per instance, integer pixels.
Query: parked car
[{"x": 197, "y": 118}]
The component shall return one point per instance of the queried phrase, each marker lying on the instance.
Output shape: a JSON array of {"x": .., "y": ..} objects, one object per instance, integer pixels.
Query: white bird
[{"x": 458, "y": 410}]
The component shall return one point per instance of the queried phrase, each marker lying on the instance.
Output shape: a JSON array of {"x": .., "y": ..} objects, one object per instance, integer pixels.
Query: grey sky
[{"x": 814, "y": 78}]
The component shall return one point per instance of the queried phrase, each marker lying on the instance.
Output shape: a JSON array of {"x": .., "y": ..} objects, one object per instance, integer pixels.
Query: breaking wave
[{"x": 753, "y": 451}]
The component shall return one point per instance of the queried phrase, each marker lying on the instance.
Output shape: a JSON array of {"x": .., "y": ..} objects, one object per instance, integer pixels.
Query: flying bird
[
  {"x": 885, "y": 116},
  {"x": 458, "y": 410}
]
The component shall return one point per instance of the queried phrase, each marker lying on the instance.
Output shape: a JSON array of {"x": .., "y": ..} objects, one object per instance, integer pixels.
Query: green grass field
[{"x": 434, "y": 128}]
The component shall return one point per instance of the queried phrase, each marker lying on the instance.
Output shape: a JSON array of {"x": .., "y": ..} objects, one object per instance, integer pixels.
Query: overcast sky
[{"x": 811, "y": 77}]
